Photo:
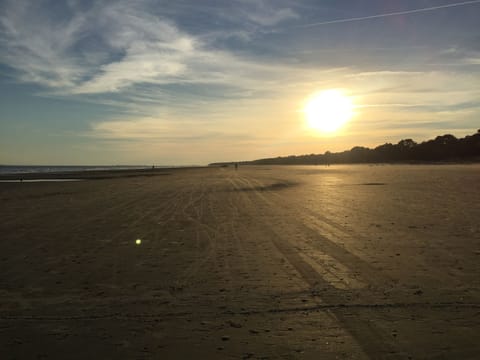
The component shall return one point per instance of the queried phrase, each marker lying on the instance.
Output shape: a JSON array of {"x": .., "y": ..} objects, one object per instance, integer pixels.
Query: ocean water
[{"x": 25, "y": 169}]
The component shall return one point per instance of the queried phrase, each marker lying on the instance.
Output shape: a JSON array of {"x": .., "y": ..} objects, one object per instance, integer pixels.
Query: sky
[{"x": 194, "y": 81}]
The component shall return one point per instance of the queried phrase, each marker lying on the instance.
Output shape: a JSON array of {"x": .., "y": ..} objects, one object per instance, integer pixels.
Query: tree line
[{"x": 442, "y": 148}]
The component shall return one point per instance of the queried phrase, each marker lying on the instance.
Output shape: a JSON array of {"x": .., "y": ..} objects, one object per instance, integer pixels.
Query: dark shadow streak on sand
[
  {"x": 373, "y": 184},
  {"x": 270, "y": 187}
]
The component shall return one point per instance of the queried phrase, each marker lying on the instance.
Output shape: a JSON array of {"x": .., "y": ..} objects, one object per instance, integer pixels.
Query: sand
[{"x": 261, "y": 263}]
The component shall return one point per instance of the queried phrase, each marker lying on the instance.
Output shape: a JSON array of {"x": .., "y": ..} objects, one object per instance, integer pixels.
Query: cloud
[
  {"x": 257, "y": 13},
  {"x": 161, "y": 132},
  {"x": 272, "y": 17},
  {"x": 111, "y": 46},
  {"x": 428, "y": 85},
  {"x": 60, "y": 55},
  {"x": 458, "y": 56},
  {"x": 473, "y": 60},
  {"x": 155, "y": 51},
  {"x": 125, "y": 47},
  {"x": 38, "y": 48},
  {"x": 147, "y": 128}
]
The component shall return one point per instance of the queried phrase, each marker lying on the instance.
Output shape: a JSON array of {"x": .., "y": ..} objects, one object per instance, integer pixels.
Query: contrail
[{"x": 413, "y": 11}]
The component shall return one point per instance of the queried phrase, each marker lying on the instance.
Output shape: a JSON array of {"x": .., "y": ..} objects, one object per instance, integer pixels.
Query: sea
[{"x": 45, "y": 169}]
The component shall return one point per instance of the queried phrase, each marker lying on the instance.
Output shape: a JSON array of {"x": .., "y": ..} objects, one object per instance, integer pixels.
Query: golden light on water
[{"x": 328, "y": 110}]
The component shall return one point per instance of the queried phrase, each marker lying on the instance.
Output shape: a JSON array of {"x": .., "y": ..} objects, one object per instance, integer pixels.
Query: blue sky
[{"x": 192, "y": 82}]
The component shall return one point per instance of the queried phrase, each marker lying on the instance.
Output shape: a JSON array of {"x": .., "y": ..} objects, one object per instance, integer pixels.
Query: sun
[{"x": 328, "y": 110}]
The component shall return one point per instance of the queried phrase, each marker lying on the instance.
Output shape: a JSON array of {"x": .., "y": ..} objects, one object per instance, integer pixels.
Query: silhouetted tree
[{"x": 443, "y": 148}]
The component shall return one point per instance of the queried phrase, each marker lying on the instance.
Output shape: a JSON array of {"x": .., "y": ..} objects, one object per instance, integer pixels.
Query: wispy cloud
[
  {"x": 473, "y": 60},
  {"x": 158, "y": 130},
  {"x": 109, "y": 47},
  {"x": 38, "y": 48},
  {"x": 124, "y": 46},
  {"x": 132, "y": 47},
  {"x": 270, "y": 17}
]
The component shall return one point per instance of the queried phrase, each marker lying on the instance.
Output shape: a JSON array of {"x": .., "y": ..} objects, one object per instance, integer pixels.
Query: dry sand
[{"x": 261, "y": 263}]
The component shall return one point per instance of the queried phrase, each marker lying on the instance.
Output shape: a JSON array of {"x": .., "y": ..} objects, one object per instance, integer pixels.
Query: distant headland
[{"x": 444, "y": 148}]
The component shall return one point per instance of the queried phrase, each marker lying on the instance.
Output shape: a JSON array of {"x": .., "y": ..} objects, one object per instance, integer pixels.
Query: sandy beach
[{"x": 305, "y": 262}]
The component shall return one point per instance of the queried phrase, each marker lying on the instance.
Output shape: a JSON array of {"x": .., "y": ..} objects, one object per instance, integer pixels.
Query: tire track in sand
[{"x": 370, "y": 337}]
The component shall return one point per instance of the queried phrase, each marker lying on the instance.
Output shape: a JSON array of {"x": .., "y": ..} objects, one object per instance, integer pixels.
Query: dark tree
[{"x": 443, "y": 148}]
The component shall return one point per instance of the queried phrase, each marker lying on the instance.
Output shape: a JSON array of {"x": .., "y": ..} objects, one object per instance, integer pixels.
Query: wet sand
[{"x": 261, "y": 263}]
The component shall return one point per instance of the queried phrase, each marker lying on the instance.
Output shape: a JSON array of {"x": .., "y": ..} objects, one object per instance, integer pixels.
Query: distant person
[{"x": 236, "y": 166}]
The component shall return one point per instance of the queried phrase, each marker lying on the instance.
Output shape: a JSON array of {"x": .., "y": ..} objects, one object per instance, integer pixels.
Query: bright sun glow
[{"x": 328, "y": 110}]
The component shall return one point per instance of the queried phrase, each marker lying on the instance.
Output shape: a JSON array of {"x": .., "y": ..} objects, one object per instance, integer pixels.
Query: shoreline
[
  {"x": 100, "y": 174},
  {"x": 104, "y": 174}
]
